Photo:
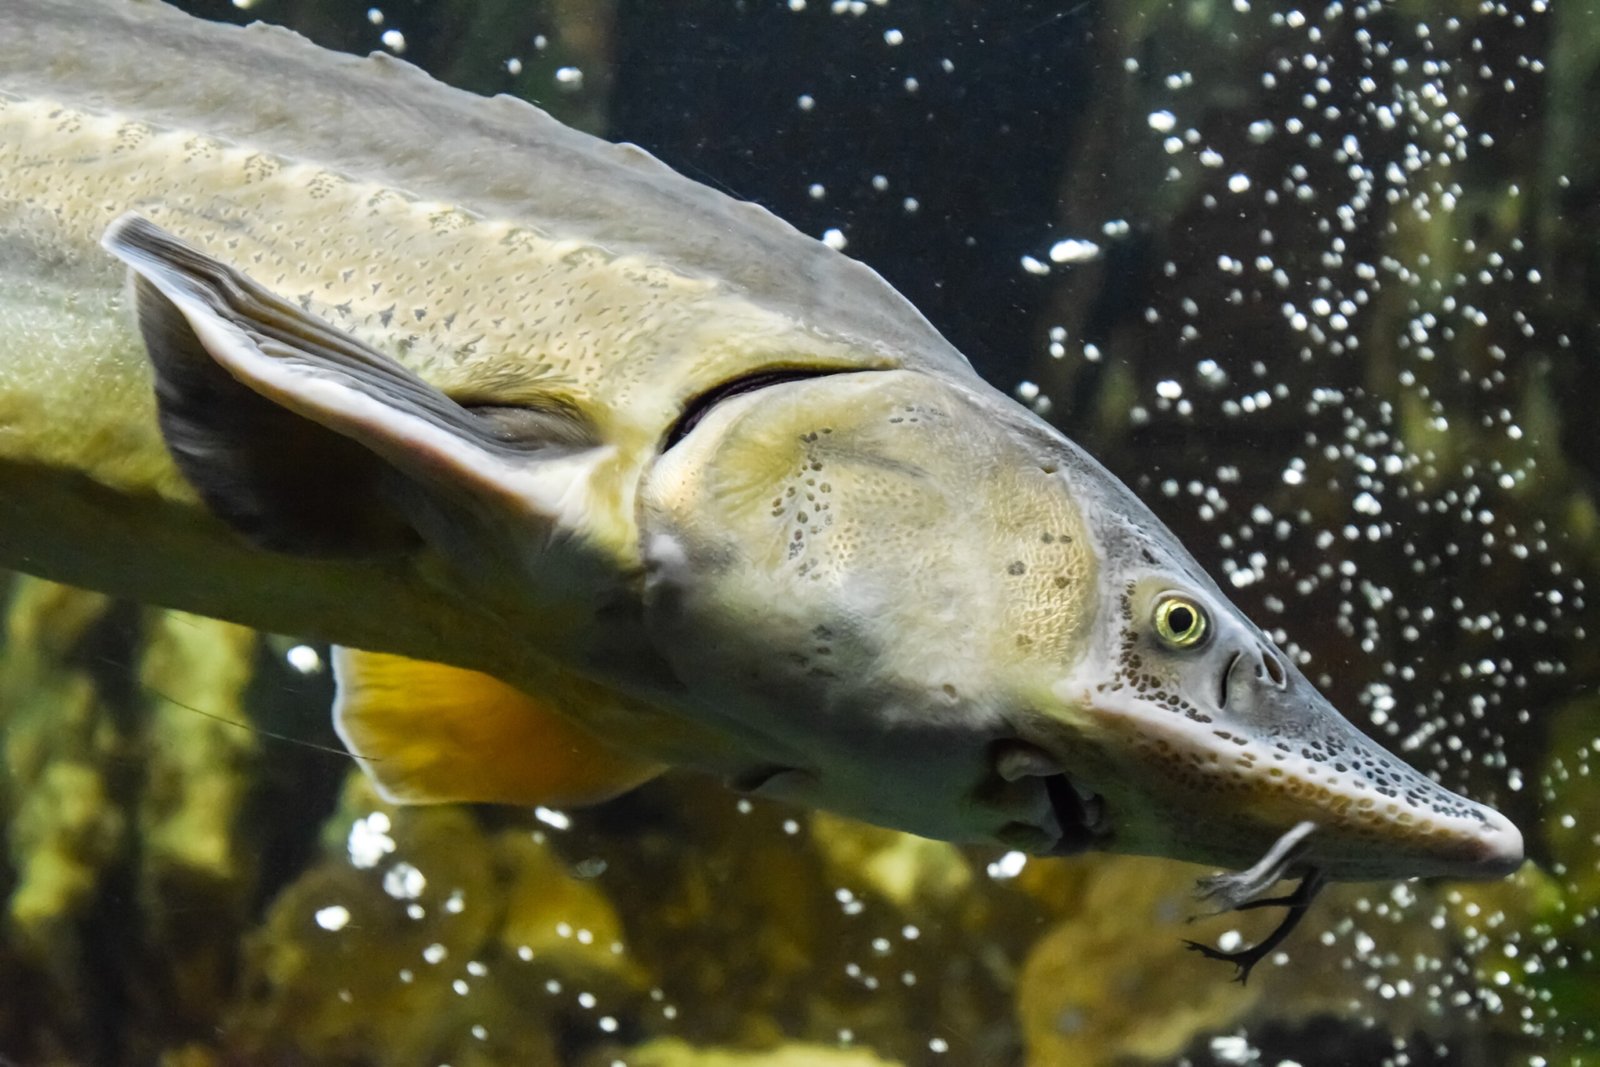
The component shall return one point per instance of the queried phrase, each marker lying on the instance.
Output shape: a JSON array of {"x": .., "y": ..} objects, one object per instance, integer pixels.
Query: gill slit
[{"x": 700, "y": 405}]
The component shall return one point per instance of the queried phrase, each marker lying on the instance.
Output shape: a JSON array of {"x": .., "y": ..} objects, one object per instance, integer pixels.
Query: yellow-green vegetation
[
  {"x": 673, "y": 1053},
  {"x": 123, "y": 806},
  {"x": 1086, "y": 991},
  {"x": 61, "y": 744}
]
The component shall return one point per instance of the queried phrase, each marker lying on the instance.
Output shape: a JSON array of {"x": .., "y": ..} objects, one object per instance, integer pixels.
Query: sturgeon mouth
[
  {"x": 700, "y": 405},
  {"x": 1081, "y": 816}
]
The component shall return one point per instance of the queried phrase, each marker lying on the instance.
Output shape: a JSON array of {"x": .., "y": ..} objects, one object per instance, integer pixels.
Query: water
[{"x": 1318, "y": 283}]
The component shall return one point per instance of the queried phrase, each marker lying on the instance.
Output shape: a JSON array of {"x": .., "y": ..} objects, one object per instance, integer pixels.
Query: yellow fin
[{"x": 426, "y": 733}]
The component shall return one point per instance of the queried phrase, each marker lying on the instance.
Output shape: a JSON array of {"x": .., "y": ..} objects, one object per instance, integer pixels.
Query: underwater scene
[{"x": 1319, "y": 283}]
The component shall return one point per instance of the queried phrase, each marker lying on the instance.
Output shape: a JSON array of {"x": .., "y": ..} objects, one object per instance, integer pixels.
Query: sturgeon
[{"x": 603, "y": 471}]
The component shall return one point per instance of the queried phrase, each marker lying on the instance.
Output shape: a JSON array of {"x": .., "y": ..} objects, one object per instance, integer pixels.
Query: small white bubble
[
  {"x": 1233, "y": 1048},
  {"x": 1008, "y": 866},
  {"x": 834, "y": 238},
  {"x": 1239, "y": 183},
  {"x": 304, "y": 659},
  {"x": 369, "y": 840},
  {"x": 394, "y": 41},
  {"x": 1162, "y": 121},
  {"x": 1034, "y": 266},
  {"x": 334, "y": 917},
  {"x": 552, "y": 818},
  {"x": 893, "y": 37},
  {"x": 404, "y": 882},
  {"x": 1073, "y": 250},
  {"x": 570, "y": 78}
]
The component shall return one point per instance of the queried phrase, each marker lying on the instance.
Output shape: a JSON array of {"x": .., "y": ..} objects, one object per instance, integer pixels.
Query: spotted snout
[
  {"x": 1221, "y": 774},
  {"x": 1378, "y": 817}
]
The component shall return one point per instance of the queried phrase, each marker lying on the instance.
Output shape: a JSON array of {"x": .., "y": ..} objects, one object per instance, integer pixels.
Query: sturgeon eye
[{"x": 1180, "y": 622}]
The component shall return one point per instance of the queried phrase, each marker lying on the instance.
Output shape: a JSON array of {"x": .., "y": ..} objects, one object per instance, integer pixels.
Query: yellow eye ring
[{"x": 1180, "y": 622}]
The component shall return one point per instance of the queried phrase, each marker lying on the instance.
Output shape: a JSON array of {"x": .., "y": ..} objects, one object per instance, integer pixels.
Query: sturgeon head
[
  {"x": 1190, "y": 708},
  {"x": 925, "y": 607}
]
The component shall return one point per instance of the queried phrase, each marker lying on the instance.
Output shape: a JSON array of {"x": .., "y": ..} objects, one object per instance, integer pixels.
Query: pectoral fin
[
  {"x": 306, "y": 439},
  {"x": 429, "y": 734}
]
